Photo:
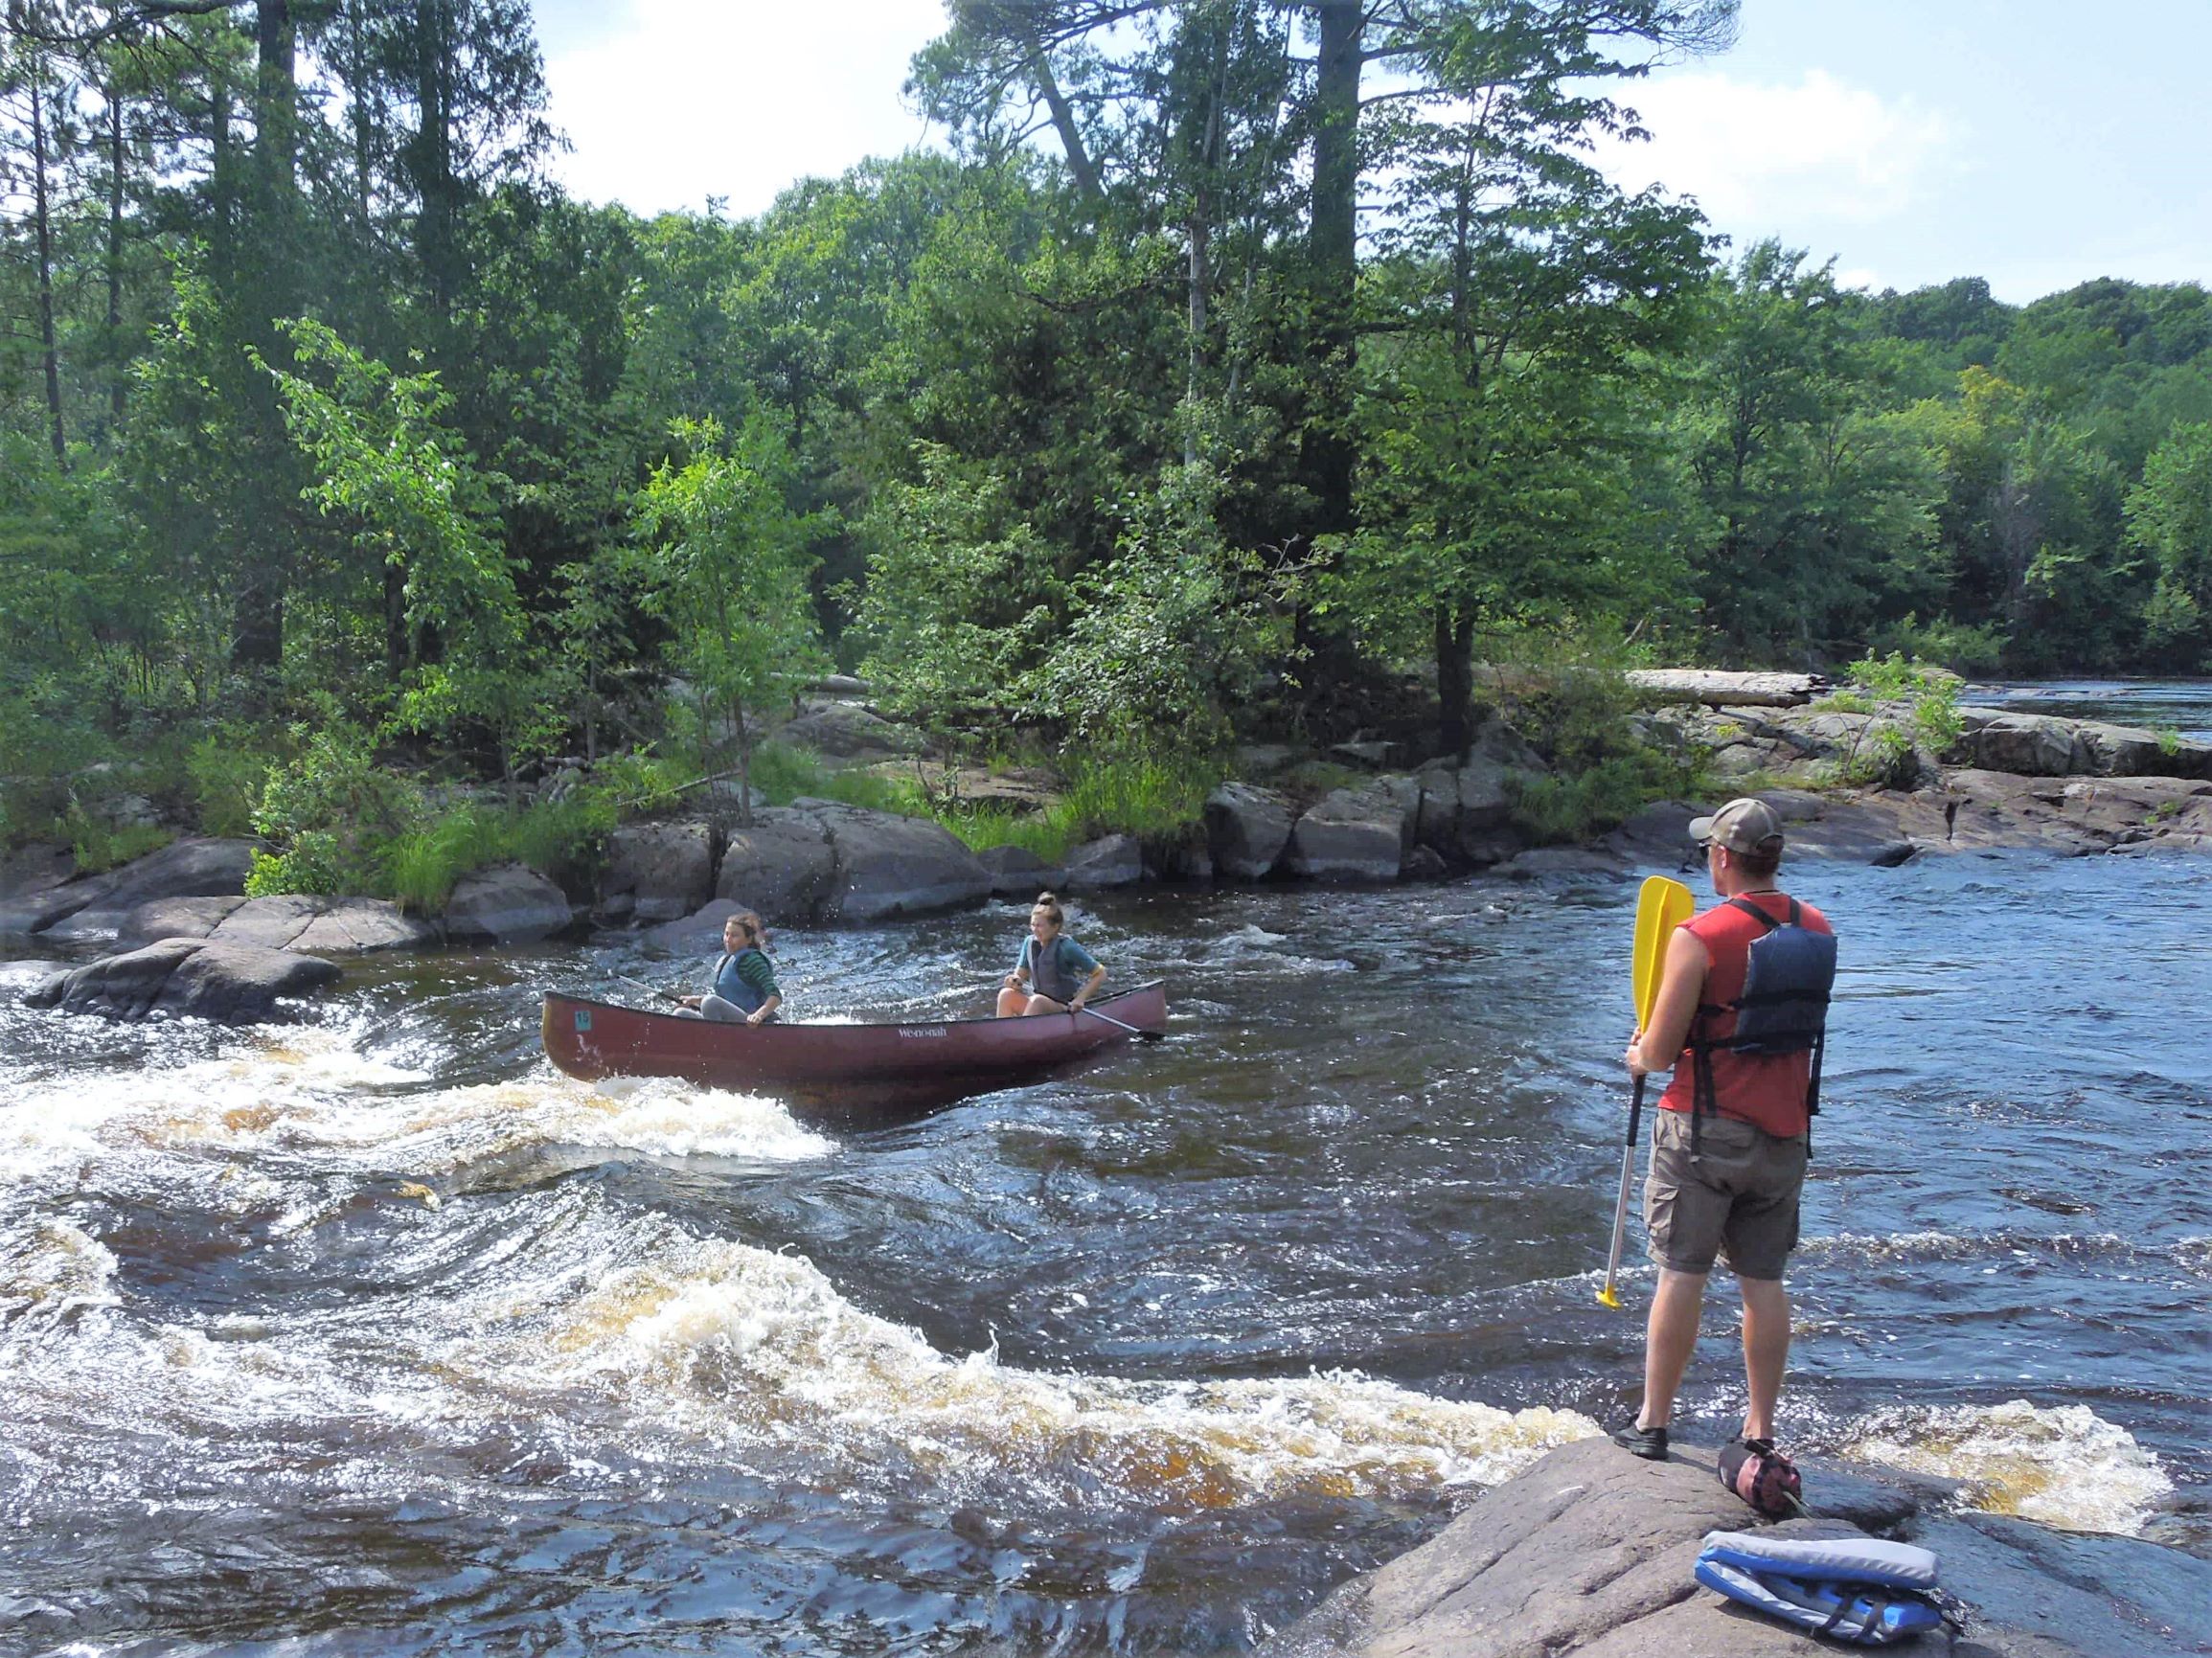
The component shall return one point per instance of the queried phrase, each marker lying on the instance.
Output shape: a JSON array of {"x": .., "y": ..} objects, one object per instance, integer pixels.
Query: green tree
[
  {"x": 960, "y": 597},
  {"x": 726, "y": 566},
  {"x": 409, "y": 497},
  {"x": 1815, "y": 507},
  {"x": 2170, "y": 519}
]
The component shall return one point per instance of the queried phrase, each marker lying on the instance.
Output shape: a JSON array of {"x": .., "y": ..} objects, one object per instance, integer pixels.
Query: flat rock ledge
[{"x": 1591, "y": 1552}]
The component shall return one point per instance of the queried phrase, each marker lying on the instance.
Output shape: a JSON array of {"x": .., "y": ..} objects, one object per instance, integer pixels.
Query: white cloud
[
  {"x": 1762, "y": 156},
  {"x": 734, "y": 98}
]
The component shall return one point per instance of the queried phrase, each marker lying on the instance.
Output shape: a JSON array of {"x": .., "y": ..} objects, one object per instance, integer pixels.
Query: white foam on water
[
  {"x": 673, "y": 1120},
  {"x": 48, "y": 1264},
  {"x": 311, "y": 1095},
  {"x": 1922, "y": 1246},
  {"x": 2062, "y": 1464},
  {"x": 733, "y": 1344}
]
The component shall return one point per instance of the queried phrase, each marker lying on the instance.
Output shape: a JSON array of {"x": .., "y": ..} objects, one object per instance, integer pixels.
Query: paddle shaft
[
  {"x": 1145, "y": 1036},
  {"x": 1621, "y": 1204},
  {"x": 653, "y": 989}
]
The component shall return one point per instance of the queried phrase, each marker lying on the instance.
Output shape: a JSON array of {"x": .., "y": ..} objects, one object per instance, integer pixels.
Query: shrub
[
  {"x": 561, "y": 837},
  {"x": 226, "y": 772},
  {"x": 557, "y": 838},
  {"x": 329, "y": 812},
  {"x": 99, "y": 847},
  {"x": 420, "y": 867},
  {"x": 982, "y": 825},
  {"x": 1573, "y": 805},
  {"x": 1572, "y": 700},
  {"x": 314, "y": 862},
  {"x": 637, "y": 782},
  {"x": 1929, "y": 693},
  {"x": 1958, "y": 645},
  {"x": 1136, "y": 793}
]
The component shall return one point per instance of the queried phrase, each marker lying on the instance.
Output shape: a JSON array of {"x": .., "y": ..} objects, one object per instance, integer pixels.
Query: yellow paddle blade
[
  {"x": 1607, "y": 1297},
  {"x": 1661, "y": 907}
]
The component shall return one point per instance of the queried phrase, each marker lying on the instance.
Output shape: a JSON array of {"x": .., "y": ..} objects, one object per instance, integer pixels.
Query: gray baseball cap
[{"x": 1744, "y": 824}]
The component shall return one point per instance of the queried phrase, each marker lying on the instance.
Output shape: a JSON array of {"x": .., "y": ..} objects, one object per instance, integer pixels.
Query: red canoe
[{"x": 852, "y": 1072}]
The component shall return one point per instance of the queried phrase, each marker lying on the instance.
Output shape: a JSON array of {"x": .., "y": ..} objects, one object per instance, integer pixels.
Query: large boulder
[
  {"x": 1591, "y": 1551},
  {"x": 1656, "y": 835},
  {"x": 816, "y": 862},
  {"x": 1497, "y": 742},
  {"x": 176, "y": 919},
  {"x": 1017, "y": 872},
  {"x": 36, "y": 868},
  {"x": 656, "y": 872},
  {"x": 1246, "y": 829},
  {"x": 1462, "y": 811},
  {"x": 232, "y": 984},
  {"x": 294, "y": 922},
  {"x": 1115, "y": 860},
  {"x": 507, "y": 904},
  {"x": 185, "y": 869},
  {"x": 1351, "y": 834},
  {"x": 782, "y": 865},
  {"x": 699, "y": 934},
  {"x": 896, "y": 866},
  {"x": 2027, "y": 745},
  {"x": 2123, "y": 751},
  {"x": 95, "y": 907},
  {"x": 847, "y": 731}
]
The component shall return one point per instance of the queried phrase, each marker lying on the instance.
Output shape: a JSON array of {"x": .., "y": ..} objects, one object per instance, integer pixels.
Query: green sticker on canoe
[{"x": 583, "y": 1018}]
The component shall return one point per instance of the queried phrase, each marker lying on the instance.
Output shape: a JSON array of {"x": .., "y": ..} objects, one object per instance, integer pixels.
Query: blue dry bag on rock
[{"x": 1861, "y": 1591}]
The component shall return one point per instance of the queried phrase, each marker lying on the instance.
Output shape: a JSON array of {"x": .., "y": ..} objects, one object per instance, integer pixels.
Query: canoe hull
[{"x": 846, "y": 1072}]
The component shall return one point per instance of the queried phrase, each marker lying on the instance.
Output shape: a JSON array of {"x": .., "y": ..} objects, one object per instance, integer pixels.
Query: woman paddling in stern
[
  {"x": 745, "y": 985},
  {"x": 1049, "y": 975}
]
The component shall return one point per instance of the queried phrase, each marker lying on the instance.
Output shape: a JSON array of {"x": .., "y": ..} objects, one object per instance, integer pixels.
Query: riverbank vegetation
[{"x": 1240, "y": 371}]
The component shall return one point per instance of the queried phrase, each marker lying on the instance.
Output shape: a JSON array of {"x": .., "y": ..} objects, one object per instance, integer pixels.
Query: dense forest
[{"x": 1235, "y": 366}]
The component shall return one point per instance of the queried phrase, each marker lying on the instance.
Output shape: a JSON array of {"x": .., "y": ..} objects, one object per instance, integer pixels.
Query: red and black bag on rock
[{"x": 1763, "y": 1477}]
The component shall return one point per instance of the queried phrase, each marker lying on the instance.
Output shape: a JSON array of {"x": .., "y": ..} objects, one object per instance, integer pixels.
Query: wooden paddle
[
  {"x": 1661, "y": 907},
  {"x": 1142, "y": 1036}
]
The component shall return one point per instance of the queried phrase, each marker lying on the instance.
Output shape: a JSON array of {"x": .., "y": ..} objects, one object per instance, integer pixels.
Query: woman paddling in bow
[{"x": 1048, "y": 976}]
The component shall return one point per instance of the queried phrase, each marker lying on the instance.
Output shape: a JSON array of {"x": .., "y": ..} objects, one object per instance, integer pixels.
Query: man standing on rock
[{"x": 1741, "y": 1012}]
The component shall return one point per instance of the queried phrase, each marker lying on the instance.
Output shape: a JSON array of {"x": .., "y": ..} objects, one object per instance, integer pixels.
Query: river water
[{"x": 374, "y": 1334}]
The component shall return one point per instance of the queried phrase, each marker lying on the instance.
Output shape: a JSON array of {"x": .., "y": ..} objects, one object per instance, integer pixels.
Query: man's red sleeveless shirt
[{"x": 1766, "y": 1089}]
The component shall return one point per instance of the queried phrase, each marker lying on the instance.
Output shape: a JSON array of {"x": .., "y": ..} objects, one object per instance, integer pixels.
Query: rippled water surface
[{"x": 376, "y": 1335}]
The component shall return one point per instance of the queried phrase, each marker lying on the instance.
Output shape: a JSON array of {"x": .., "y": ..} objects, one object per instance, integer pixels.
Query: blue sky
[{"x": 2032, "y": 143}]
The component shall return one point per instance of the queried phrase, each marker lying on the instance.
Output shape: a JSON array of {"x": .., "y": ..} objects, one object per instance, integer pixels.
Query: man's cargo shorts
[{"x": 1736, "y": 1198}]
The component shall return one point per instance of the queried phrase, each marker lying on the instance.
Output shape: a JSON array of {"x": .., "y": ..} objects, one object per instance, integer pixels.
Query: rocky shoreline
[
  {"x": 2008, "y": 780},
  {"x": 1590, "y": 1552}
]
